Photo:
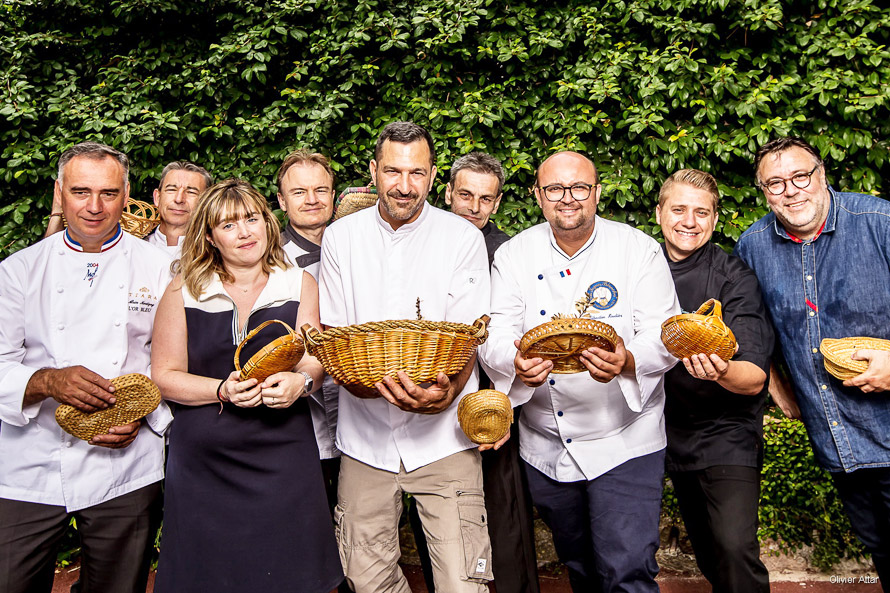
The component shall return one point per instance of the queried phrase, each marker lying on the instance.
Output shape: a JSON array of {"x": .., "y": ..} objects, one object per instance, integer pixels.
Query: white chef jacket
[
  {"x": 61, "y": 307},
  {"x": 573, "y": 427},
  {"x": 369, "y": 272},
  {"x": 159, "y": 239},
  {"x": 322, "y": 401}
]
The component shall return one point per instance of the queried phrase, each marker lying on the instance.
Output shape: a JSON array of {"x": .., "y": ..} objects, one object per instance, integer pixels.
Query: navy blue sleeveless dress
[{"x": 245, "y": 508}]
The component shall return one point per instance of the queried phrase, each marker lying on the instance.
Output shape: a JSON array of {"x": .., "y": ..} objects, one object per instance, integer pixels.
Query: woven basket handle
[
  {"x": 311, "y": 335},
  {"x": 711, "y": 308},
  {"x": 481, "y": 325},
  {"x": 254, "y": 332}
]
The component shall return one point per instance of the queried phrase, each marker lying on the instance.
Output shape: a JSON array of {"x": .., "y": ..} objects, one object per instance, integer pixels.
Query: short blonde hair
[
  {"x": 692, "y": 177},
  {"x": 227, "y": 200}
]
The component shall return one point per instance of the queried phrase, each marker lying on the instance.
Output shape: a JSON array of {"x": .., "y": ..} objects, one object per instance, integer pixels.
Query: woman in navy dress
[{"x": 245, "y": 506}]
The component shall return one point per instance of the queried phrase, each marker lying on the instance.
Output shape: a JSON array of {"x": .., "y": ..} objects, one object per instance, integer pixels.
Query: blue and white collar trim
[{"x": 74, "y": 245}]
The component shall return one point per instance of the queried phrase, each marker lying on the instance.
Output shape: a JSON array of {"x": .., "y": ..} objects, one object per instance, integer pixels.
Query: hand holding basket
[
  {"x": 280, "y": 355},
  {"x": 136, "y": 396}
]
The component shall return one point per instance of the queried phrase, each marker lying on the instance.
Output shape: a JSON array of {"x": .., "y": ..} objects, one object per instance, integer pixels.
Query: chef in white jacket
[
  {"x": 77, "y": 309},
  {"x": 593, "y": 442}
]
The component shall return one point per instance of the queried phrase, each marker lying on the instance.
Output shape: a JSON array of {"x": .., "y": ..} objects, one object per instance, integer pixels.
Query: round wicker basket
[
  {"x": 282, "y": 354},
  {"x": 563, "y": 340},
  {"x": 135, "y": 397},
  {"x": 353, "y": 199},
  {"x": 837, "y": 352},
  {"x": 359, "y": 356},
  {"x": 485, "y": 416},
  {"x": 702, "y": 332}
]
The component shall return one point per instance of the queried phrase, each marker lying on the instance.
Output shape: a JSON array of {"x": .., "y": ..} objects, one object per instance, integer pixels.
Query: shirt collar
[
  {"x": 276, "y": 289},
  {"x": 110, "y": 243},
  {"x": 596, "y": 225},
  {"x": 827, "y": 227},
  {"x": 162, "y": 238},
  {"x": 405, "y": 228},
  {"x": 687, "y": 262},
  {"x": 486, "y": 230},
  {"x": 302, "y": 242}
]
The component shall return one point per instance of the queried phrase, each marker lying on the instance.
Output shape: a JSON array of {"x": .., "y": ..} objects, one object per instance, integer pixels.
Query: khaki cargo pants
[{"x": 451, "y": 506}]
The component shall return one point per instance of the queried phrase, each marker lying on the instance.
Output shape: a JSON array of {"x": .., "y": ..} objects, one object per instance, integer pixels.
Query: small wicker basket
[
  {"x": 837, "y": 352},
  {"x": 135, "y": 397},
  {"x": 353, "y": 199},
  {"x": 359, "y": 356},
  {"x": 702, "y": 332},
  {"x": 282, "y": 354},
  {"x": 564, "y": 339},
  {"x": 485, "y": 416},
  {"x": 138, "y": 218}
]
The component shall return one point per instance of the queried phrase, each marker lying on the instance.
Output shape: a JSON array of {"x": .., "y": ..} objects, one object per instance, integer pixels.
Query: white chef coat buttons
[{"x": 60, "y": 327}]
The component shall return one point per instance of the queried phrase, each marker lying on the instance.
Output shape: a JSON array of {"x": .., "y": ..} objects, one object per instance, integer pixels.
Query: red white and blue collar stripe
[{"x": 72, "y": 244}]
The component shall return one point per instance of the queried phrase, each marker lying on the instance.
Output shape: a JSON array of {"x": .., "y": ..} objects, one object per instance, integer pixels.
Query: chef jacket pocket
[{"x": 474, "y": 535}]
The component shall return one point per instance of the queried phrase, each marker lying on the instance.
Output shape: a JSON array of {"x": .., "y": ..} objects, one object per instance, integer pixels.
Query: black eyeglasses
[
  {"x": 777, "y": 186},
  {"x": 556, "y": 192}
]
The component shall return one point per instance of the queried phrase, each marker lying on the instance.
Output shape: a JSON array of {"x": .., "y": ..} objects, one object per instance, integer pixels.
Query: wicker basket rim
[{"x": 477, "y": 329}]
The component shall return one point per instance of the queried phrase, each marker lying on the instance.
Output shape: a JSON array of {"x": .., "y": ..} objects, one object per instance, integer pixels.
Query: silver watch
[{"x": 307, "y": 386}]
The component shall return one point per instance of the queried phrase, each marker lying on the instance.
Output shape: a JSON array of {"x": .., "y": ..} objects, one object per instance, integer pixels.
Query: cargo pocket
[
  {"x": 344, "y": 549},
  {"x": 474, "y": 535}
]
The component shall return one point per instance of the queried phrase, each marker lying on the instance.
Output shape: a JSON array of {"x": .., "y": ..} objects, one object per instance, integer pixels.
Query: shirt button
[
  {"x": 120, "y": 285},
  {"x": 815, "y": 350},
  {"x": 61, "y": 327},
  {"x": 559, "y": 413},
  {"x": 825, "y": 387},
  {"x": 834, "y": 422},
  {"x": 540, "y": 276},
  {"x": 812, "y": 314},
  {"x": 60, "y": 289},
  {"x": 552, "y": 382},
  {"x": 117, "y": 323},
  {"x": 568, "y": 440},
  {"x": 69, "y": 443},
  {"x": 543, "y": 312},
  {"x": 809, "y": 277},
  {"x": 114, "y": 362}
]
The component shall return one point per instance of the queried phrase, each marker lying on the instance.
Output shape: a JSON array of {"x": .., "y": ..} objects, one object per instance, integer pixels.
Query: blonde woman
[{"x": 244, "y": 504}]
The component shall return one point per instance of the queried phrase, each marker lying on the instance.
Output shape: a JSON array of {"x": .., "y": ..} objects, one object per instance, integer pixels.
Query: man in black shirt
[
  {"x": 474, "y": 193},
  {"x": 714, "y": 409}
]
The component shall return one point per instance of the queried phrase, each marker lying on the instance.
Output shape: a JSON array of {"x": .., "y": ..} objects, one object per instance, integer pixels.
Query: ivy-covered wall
[{"x": 643, "y": 86}]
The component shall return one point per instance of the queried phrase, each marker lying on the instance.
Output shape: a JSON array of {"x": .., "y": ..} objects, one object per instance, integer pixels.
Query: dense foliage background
[{"x": 644, "y": 87}]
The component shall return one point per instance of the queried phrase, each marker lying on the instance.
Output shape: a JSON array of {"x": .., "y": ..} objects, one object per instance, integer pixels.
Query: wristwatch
[{"x": 307, "y": 386}]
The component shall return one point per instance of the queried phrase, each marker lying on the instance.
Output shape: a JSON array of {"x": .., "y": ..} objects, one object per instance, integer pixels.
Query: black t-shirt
[
  {"x": 706, "y": 424},
  {"x": 494, "y": 238}
]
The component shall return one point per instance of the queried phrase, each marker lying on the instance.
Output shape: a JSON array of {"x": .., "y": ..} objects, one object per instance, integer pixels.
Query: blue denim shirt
[{"x": 836, "y": 285}]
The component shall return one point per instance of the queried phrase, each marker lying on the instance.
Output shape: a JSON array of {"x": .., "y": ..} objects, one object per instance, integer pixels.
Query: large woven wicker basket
[
  {"x": 485, "y": 416},
  {"x": 359, "y": 356},
  {"x": 135, "y": 397},
  {"x": 138, "y": 218},
  {"x": 563, "y": 340},
  {"x": 353, "y": 199},
  {"x": 282, "y": 354},
  {"x": 702, "y": 332},
  {"x": 837, "y": 352}
]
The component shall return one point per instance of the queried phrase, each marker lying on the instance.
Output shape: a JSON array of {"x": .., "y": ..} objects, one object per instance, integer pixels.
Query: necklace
[{"x": 237, "y": 287}]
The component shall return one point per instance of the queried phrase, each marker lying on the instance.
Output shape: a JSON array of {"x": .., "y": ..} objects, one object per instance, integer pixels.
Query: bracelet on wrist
[{"x": 219, "y": 395}]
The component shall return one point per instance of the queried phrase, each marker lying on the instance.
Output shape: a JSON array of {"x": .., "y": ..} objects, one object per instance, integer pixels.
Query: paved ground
[{"x": 558, "y": 582}]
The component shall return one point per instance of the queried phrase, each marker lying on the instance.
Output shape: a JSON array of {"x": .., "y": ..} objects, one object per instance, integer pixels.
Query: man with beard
[
  {"x": 375, "y": 265},
  {"x": 593, "y": 442},
  {"x": 823, "y": 261}
]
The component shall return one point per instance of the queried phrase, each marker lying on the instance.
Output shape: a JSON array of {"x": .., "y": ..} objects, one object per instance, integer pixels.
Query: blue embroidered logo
[
  {"x": 92, "y": 270},
  {"x": 603, "y": 295}
]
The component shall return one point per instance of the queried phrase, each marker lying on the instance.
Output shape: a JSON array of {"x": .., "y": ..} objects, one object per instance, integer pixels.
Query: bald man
[{"x": 592, "y": 442}]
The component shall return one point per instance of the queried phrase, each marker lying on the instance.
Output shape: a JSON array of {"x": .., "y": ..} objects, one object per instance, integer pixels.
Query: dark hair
[
  {"x": 304, "y": 157},
  {"x": 479, "y": 162},
  {"x": 693, "y": 177},
  {"x": 186, "y": 166},
  {"x": 781, "y": 145},
  {"x": 96, "y": 151},
  {"x": 405, "y": 132}
]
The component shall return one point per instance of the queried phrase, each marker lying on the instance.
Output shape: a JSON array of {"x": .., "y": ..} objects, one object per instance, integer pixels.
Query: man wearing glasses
[
  {"x": 822, "y": 258},
  {"x": 593, "y": 442}
]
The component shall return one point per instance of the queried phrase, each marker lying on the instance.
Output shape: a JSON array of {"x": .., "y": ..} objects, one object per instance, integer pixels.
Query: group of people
[{"x": 294, "y": 483}]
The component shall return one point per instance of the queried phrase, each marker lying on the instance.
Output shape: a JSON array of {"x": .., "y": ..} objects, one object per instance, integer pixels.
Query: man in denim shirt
[{"x": 823, "y": 261}]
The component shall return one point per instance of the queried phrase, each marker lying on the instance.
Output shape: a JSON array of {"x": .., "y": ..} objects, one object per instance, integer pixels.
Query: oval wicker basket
[
  {"x": 281, "y": 354},
  {"x": 837, "y": 352},
  {"x": 138, "y": 218},
  {"x": 359, "y": 356},
  {"x": 702, "y": 332},
  {"x": 485, "y": 416},
  {"x": 135, "y": 397},
  {"x": 563, "y": 340},
  {"x": 353, "y": 199}
]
